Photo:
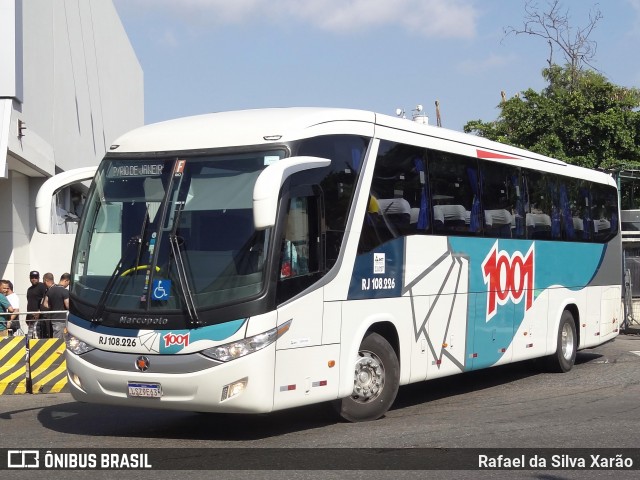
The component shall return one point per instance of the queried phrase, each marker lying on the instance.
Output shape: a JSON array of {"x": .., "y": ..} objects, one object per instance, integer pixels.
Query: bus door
[{"x": 303, "y": 372}]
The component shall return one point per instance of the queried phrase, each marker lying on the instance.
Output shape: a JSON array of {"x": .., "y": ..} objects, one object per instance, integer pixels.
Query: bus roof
[
  {"x": 234, "y": 128},
  {"x": 275, "y": 125}
]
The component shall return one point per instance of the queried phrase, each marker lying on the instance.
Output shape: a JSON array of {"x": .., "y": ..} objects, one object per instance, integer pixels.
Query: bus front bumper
[{"x": 244, "y": 385}]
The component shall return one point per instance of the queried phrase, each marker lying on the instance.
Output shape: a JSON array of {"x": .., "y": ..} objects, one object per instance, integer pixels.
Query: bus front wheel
[
  {"x": 375, "y": 383},
  {"x": 566, "y": 346}
]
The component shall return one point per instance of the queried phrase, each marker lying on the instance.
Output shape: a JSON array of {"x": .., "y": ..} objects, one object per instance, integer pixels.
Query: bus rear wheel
[
  {"x": 375, "y": 383},
  {"x": 566, "y": 347}
]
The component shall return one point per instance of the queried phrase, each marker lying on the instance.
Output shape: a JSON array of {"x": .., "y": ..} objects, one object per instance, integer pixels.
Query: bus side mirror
[
  {"x": 53, "y": 185},
  {"x": 269, "y": 182}
]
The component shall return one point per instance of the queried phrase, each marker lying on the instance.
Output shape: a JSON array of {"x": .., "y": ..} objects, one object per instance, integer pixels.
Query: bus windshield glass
[{"x": 173, "y": 233}]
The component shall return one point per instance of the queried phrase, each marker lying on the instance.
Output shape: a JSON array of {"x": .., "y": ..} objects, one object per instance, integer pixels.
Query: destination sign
[{"x": 136, "y": 170}]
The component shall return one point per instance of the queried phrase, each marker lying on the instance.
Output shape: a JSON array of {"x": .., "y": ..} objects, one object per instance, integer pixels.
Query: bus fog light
[
  {"x": 76, "y": 380},
  {"x": 233, "y": 389}
]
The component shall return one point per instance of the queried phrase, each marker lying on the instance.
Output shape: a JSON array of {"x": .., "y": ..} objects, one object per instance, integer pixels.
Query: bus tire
[
  {"x": 566, "y": 346},
  {"x": 376, "y": 381}
]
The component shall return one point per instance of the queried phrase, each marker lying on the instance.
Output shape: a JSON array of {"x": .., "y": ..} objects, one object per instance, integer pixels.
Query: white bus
[{"x": 258, "y": 260}]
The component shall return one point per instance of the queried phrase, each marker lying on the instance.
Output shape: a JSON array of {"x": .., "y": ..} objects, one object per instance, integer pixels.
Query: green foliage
[{"x": 580, "y": 118}]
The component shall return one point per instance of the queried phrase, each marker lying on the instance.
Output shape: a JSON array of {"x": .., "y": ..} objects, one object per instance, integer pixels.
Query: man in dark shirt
[
  {"x": 46, "y": 330},
  {"x": 35, "y": 294},
  {"x": 56, "y": 299}
]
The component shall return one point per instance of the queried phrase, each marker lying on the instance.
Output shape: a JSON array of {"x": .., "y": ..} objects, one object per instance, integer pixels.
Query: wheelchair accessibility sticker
[{"x": 161, "y": 289}]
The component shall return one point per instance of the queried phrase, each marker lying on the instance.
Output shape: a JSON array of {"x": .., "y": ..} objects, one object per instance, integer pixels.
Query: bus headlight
[
  {"x": 75, "y": 345},
  {"x": 240, "y": 348}
]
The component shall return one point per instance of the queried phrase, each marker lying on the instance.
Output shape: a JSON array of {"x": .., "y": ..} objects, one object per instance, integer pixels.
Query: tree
[
  {"x": 580, "y": 117},
  {"x": 554, "y": 27}
]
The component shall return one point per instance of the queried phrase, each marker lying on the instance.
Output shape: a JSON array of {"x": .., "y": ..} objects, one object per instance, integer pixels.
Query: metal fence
[
  {"x": 632, "y": 311},
  {"x": 25, "y": 329},
  {"x": 631, "y": 288}
]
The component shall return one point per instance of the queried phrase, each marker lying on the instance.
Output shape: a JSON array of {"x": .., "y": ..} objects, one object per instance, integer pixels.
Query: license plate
[{"x": 149, "y": 390}]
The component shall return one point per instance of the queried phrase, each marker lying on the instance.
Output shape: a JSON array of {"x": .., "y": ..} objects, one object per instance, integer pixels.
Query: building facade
[{"x": 70, "y": 83}]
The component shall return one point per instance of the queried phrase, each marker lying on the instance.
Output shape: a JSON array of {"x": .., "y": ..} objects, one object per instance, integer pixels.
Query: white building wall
[{"x": 73, "y": 79}]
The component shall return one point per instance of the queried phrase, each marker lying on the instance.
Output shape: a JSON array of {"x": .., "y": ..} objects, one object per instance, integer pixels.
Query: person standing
[
  {"x": 57, "y": 299},
  {"x": 14, "y": 300},
  {"x": 45, "y": 322},
  {"x": 35, "y": 294},
  {"x": 5, "y": 306}
]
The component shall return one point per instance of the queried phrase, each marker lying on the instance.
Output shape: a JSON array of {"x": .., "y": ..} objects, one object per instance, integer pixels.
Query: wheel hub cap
[
  {"x": 369, "y": 378},
  {"x": 567, "y": 342}
]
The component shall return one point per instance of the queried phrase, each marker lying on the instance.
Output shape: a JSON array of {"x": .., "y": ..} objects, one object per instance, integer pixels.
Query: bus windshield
[{"x": 173, "y": 233}]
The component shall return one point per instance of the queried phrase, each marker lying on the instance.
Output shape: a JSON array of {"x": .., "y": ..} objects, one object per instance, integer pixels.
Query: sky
[{"x": 202, "y": 56}]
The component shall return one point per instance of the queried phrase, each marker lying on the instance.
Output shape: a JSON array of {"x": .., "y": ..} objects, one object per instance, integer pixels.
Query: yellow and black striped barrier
[
  {"x": 36, "y": 367},
  {"x": 13, "y": 365},
  {"x": 47, "y": 365}
]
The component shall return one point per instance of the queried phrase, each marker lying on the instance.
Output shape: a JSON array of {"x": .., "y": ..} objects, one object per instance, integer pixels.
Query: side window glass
[
  {"x": 337, "y": 183},
  {"x": 67, "y": 209},
  {"x": 556, "y": 216},
  {"x": 455, "y": 193},
  {"x": 583, "y": 211},
  {"x": 539, "y": 190},
  {"x": 298, "y": 255},
  {"x": 398, "y": 200},
  {"x": 503, "y": 206},
  {"x": 567, "y": 192},
  {"x": 299, "y": 262},
  {"x": 604, "y": 212}
]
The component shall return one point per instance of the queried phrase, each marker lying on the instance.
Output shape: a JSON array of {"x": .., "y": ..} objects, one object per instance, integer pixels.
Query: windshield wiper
[
  {"x": 133, "y": 241},
  {"x": 97, "y": 314},
  {"x": 176, "y": 252}
]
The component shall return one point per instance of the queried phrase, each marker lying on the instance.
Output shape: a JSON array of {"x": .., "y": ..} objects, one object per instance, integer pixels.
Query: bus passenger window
[
  {"x": 604, "y": 212},
  {"x": 398, "y": 198},
  {"x": 501, "y": 200},
  {"x": 337, "y": 183},
  {"x": 540, "y": 191},
  {"x": 572, "y": 225},
  {"x": 580, "y": 203},
  {"x": 456, "y": 194}
]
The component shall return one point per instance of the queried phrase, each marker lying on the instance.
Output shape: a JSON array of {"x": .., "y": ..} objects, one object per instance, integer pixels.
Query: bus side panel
[
  {"x": 306, "y": 375},
  {"x": 592, "y": 317},
  {"x": 331, "y": 322},
  {"x": 421, "y": 346},
  {"x": 610, "y": 312},
  {"x": 448, "y": 322},
  {"x": 305, "y": 314},
  {"x": 492, "y": 320},
  {"x": 503, "y": 297},
  {"x": 515, "y": 281},
  {"x": 433, "y": 283},
  {"x": 492, "y": 338},
  {"x": 603, "y": 310},
  {"x": 306, "y": 371},
  {"x": 437, "y": 283},
  {"x": 530, "y": 338}
]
